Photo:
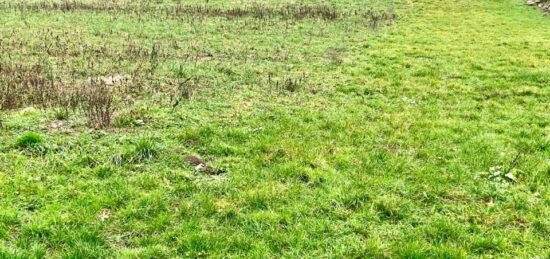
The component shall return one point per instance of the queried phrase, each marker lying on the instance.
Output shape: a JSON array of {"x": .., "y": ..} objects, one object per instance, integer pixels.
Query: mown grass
[{"x": 427, "y": 136}]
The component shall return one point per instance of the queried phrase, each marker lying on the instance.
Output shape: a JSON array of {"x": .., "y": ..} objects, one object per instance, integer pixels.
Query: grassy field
[{"x": 379, "y": 128}]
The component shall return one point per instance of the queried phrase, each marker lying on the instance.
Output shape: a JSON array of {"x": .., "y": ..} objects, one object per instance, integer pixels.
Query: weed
[
  {"x": 183, "y": 89},
  {"x": 24, "y": 85},
  {"x": 289, "y": 84},
  {"x": 258, "y": 11},
  {"x": 376, "y": 19},
  {"x": 98, "y": 105}
]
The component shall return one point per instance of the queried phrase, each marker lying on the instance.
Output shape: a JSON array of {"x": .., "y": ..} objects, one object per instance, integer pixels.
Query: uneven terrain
[{"x": 380, "y": 128}]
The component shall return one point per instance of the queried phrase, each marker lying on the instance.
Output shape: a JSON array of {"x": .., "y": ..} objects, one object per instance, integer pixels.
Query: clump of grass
[
  {"x": 61, "y": 113},
  {"x": 103, "y": 172},
  {"x": 30, "y": 141},
  {"x": 144, "y": 149},
  {"x": 87, "y": 161},
  {"x": 390, "y": 208}
]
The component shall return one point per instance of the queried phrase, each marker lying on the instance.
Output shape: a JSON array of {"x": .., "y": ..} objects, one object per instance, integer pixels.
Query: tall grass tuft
[{"x": 31, "y": 141}]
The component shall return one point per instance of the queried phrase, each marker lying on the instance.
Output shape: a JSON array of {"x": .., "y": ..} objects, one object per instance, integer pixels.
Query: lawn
[{"x": 346, "y": 128}]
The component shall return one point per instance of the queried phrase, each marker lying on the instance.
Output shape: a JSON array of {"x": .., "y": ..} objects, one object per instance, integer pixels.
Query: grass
[
  {"x": 427, "y": 135},
  {"x": 29, "y": 139}
]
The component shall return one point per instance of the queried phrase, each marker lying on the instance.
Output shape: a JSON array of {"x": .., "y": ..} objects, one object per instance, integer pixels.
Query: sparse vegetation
[
  {"x": 347, "y": 129},
  {"x": 98, "y": 105}
]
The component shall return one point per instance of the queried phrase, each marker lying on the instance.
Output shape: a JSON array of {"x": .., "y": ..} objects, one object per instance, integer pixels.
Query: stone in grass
[{"x": 201, "y": 166}]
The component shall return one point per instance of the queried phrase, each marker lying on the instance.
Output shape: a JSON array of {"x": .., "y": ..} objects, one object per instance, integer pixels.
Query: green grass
[
  {"x": 393, "y": 142},
  {"x": 29, "y": 140}
]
